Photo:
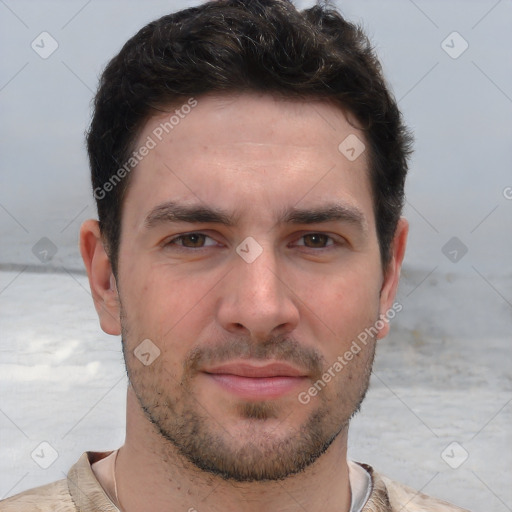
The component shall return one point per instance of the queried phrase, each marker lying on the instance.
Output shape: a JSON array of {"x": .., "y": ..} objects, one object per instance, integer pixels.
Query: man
[{"x": 248, "y": 164}]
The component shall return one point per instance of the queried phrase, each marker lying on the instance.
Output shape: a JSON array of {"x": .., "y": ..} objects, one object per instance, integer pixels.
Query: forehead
[
  {"x": 253, "y": 118},
  {"x": 248, "y": 151}
]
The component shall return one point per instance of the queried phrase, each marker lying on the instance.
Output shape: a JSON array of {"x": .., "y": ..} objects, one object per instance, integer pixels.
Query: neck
[{"x": 151, "y": 474}]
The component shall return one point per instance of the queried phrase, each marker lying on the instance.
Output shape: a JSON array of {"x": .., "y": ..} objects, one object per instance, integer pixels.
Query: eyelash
[
  {"x": 331, "y": 242},
  {"x": 185, "y": 235}
]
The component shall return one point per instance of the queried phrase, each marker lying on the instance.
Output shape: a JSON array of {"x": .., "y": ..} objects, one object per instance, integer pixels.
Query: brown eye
[
  {"x": 191, "y": 241},
  {"x": 316, "y": 240}
]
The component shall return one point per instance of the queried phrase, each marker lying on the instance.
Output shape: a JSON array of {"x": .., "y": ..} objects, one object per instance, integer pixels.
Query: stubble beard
[{"x": 189, "y": 431}]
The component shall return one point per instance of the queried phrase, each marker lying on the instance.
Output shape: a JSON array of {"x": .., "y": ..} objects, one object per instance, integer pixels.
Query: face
[{"x": 249, "y": 258}]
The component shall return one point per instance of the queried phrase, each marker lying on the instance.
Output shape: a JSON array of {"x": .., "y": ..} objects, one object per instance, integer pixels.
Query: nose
[{"x": 256, "y": 300}]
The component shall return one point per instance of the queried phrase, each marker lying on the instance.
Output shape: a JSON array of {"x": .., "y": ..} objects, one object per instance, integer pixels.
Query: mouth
[{"x": 255, "y": 381}]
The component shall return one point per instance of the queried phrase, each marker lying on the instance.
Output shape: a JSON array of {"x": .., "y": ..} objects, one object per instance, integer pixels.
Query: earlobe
[
  {"x": 392, "y": 275},
  {"x": 101, "y": 278}
]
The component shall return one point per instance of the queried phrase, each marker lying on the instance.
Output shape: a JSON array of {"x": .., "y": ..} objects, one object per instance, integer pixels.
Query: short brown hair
[{"x": 245, "y": 45}]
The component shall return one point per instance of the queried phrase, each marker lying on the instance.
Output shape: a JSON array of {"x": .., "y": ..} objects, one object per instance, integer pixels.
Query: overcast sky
[{"x": 458, "y": 101}]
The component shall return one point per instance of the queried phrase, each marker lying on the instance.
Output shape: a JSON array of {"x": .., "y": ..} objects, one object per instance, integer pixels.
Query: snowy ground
[{"x": 437, "y": 380}]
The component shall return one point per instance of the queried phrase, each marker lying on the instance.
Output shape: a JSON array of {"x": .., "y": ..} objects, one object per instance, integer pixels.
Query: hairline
[{"x": 291, "y": 96}]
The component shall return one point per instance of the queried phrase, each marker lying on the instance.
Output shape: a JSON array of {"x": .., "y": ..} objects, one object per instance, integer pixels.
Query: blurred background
[{"x": 438, "y": 414}]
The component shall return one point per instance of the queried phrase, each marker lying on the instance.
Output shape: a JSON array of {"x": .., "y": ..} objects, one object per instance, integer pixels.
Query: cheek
[
  {"x": 347, "y": 306},
  {"x": 165, "y": 310},
  {"x": 350, "y": 292}
]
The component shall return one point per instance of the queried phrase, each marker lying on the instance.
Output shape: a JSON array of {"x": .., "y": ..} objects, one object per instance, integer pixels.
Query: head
[{"x": 235, "y": 228}]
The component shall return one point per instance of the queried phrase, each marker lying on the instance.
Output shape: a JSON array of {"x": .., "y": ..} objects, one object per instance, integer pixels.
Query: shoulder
[
  {"x": 404, "y": 499},
  {"x": 81, "y": 491},
  {"x": 53, "y": 497}
]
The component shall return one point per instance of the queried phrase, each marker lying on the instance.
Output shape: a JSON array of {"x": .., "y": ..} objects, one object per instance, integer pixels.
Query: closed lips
[{"x": 255, "y": 371}]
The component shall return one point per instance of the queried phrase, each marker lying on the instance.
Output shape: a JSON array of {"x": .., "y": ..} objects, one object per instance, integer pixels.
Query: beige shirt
[{"x": 81, "y": 492}]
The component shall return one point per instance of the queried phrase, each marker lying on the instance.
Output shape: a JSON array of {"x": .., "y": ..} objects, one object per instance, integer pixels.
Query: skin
[{"x": 303, "y": 300}]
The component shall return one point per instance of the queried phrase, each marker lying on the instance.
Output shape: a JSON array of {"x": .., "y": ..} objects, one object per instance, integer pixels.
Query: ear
[
  {"x": 392, "y": 276},
  {"x": 101, "y": 278}
]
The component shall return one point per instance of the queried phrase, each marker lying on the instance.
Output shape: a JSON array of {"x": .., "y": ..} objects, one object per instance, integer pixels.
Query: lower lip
[{"x": 257, "y": 388}]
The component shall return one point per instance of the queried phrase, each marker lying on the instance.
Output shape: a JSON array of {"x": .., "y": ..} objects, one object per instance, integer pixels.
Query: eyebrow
[
  {"x": 325, "y": 213},
  {"x": 175, "y": 212}
]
